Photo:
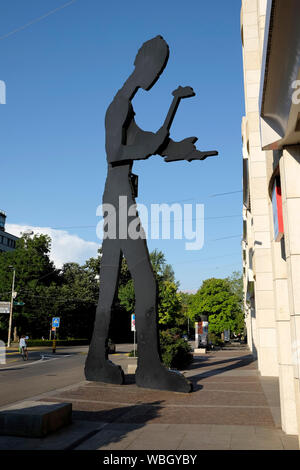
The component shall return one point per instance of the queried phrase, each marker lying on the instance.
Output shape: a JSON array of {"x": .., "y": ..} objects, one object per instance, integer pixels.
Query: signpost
[
  {"x": 134, "y": 331},
  {"x": 55, "y": 324},
  {"x": 13, "y": 296}
]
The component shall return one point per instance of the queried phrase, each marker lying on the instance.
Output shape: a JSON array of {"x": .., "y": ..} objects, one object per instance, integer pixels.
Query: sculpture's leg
[
  {"x": 97, "y": 367},
  {"x": 150, "y": 373}
]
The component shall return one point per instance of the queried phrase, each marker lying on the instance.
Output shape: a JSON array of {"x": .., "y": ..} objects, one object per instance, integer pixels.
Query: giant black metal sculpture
[{"x": 125, "y": 142}]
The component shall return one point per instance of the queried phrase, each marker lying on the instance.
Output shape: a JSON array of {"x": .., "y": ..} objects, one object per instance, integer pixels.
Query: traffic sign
[
  {"x": 133, "y": 322},
  {"x": 4, "y": 307},
  {"x": 55, "y": 322}
]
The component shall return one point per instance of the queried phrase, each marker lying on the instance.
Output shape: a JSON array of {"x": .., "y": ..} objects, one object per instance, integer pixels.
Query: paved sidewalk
[{"x": 231, "y": 407}]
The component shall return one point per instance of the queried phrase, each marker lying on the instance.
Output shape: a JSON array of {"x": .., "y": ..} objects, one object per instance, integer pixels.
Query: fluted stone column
[{"x": 290, "y": 187}]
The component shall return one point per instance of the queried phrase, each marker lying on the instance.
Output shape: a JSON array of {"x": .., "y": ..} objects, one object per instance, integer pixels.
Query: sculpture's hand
[
  {"x": 181, "y": 149},
  {"x": 201, "y": 155},
  {"x": 185, "y": 150}
]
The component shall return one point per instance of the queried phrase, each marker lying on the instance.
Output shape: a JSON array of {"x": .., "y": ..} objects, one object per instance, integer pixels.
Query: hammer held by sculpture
[{"x": 126, "y": 142}]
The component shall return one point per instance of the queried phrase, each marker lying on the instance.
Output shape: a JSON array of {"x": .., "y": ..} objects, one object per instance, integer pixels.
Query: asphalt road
[{"x": 44, "y": 371}]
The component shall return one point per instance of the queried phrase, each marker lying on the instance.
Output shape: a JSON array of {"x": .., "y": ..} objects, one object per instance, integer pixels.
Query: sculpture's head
[{"x": 150, "y": 62}]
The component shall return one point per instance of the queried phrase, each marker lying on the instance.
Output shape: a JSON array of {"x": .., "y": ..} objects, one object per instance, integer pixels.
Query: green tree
[
  {"x": 169, "y": 305},
  {"x": 236, "y": 286},
  {"x": 34, "y": 270},
  {"x": 162, "y": 270},
  {"x": 216, "y": 300},
  {"x": 185, "y": 319},
  {"x": 169, "y": 300}
]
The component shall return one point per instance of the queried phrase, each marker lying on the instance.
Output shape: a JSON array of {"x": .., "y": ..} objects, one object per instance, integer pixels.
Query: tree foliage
[
  {"x": 218, "y": 299},
  {"x": 71, "y": 293},
  {"x": 169, "y": 300}
]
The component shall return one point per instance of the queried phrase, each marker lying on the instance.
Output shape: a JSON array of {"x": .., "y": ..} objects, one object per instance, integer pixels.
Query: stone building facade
[
  {"x": 7, "y": 240},
  {"x": 271, "y": 180}
]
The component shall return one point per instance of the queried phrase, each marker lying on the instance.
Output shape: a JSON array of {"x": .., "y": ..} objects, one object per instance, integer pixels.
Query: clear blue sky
[{"x": 61, "y": 74}]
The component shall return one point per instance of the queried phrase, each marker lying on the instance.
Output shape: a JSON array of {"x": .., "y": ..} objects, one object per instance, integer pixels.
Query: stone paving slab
[
  {"x": 121, "y": 396},
  {"x": 192, "y": 437},
  {"x": 231, "y": 408}
]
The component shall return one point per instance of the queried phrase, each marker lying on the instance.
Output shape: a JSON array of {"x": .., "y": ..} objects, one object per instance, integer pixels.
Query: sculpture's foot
[
  {"x": 162, "y": 379},
  {"x": 105, "y": 371}
]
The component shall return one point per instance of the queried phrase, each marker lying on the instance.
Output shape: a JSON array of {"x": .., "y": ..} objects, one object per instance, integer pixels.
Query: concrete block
[
  {"x": 200, "y": 351},
  {"x": 267, "y": 338},
  {"x": 257, "y": 155},
  {"x": 258, "y": 169},
  {"x": 262, "y": 240},
  {"x": 264, "y": 281},
  {"x": 254, "y": 141},
  {"x": 34, "y": 418},
  {"x": 259, "y": 190},
  {"x": 253, "y": 76},
  {"x": 265, "y": 300},
  {"x": 291, "y": 162},
  {"x": 131, "y": 368},
  {"x": 263, "y": 261},
  {"x": 252, "y": 105},
  {"x": 292, "y": 207},
  {"x": 282, "y": 300},
  {"x": 250, "y": 18},
  {"x": 259, "y": 207},
  {"x": 251, "y": 60},
  {"x": 294, "y": 291},
  {"x": 265, "y": 318}
]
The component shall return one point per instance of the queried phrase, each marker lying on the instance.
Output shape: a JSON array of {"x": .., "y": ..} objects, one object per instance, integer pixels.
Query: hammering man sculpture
[{"x": 126, "y": 142}]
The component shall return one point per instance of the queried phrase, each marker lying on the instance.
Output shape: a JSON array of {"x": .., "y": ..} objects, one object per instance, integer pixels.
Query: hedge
[{"x": 59, "y": 342}]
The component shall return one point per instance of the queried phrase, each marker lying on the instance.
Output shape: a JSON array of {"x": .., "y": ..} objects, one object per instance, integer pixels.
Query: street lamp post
[{"x": 11, "y": 305}]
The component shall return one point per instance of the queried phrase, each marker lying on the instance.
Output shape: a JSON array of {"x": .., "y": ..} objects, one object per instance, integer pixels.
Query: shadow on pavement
[
  {"x": 111, "y": 426},
  {"x": 198, "y": 361},
  {"x": 120, "y": 423},
  {"x": 239, "y": 362}
]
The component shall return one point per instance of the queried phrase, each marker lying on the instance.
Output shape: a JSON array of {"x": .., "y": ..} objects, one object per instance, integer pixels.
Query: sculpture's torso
[{"x": 118, "y": 181}]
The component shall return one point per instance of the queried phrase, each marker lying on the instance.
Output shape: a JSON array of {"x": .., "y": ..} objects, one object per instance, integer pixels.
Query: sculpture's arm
[
  {"x": 184, "y": 150},
  {"x": 141, "y": 144}
]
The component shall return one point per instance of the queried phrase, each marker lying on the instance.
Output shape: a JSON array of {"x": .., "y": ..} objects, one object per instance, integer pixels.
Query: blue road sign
[{"x": 55, "y": 322}]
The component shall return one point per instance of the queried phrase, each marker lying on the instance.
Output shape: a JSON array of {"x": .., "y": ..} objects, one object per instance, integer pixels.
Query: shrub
[
  {"x": 133, "y": 353},
  {"x": 214, "y": 339},
  {"x": 59, "y": 342},
  {"x": 175, "y": 351}
]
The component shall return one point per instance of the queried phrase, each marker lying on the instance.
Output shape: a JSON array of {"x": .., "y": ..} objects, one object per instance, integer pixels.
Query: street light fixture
[{"x": 11, "y": 305}]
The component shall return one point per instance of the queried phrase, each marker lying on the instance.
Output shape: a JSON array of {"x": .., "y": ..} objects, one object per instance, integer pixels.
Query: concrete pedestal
[
  {"x": 34, "y": 418},
  {"x": 131, "y": 368},
  {"x": 200, "y": 351}
]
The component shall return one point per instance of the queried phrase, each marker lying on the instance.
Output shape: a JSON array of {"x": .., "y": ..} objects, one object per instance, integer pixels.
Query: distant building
[
  {"x": 7, "y": 241},
  {"x": 271, "y": 212}
]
